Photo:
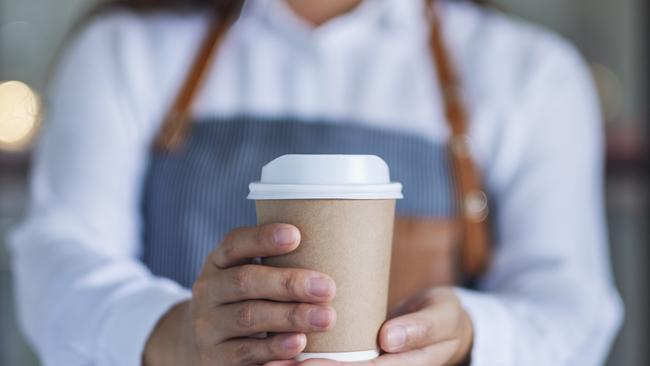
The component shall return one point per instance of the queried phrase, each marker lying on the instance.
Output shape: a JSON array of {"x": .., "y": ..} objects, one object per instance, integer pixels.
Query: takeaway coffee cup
[{"x": 344, "y": 206}]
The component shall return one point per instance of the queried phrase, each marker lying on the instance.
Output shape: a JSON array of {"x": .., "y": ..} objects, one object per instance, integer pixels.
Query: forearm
[{"x": 78, "y": 306}]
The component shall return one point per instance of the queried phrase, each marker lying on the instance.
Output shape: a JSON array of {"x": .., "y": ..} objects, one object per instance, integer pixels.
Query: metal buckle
[{"x": 475, "y": 205}]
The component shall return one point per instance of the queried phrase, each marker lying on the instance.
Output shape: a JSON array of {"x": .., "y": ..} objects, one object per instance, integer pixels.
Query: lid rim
[{"x": 265, "y": 191}]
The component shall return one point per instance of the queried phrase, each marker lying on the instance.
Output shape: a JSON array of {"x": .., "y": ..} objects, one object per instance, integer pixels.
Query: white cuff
[
  {"x": 129, "y": 325},
  {"x": 494, "y": 343}
]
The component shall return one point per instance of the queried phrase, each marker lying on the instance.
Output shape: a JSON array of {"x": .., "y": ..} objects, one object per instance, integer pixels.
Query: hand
[
  {"x": 233, "y": 300},
  {"x": 430, "y": 329}
]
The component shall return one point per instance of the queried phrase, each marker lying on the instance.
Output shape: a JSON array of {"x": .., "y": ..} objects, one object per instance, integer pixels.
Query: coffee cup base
[{"x": 341, "y": 356}]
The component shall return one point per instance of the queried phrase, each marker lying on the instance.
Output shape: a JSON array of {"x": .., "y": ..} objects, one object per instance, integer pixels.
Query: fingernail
[
  {"x": 320, "y": 287},
  {"x": 294, "y": 341},
  {"x": 396, "y": 337},
  {"x": 320, "y": 318},
  {"x": 285, "y": 235}
]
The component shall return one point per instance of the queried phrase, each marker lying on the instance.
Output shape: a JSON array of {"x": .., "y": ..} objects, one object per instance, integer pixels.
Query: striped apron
[{"x": 192, "y": 198}]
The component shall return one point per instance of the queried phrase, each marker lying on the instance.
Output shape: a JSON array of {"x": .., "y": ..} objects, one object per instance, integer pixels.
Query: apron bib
[{"x": 194, "y": 197}]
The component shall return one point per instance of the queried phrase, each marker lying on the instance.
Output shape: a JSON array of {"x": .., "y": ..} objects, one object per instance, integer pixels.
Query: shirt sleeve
[
  {"x": 84, "y": 297},
  {"x": 548, "y": 298}
]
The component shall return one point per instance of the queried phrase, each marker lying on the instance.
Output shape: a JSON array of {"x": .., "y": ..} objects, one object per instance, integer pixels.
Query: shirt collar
[{"x": 367, "y": 18}]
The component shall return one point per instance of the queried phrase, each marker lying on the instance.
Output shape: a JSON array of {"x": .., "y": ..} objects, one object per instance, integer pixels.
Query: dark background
[{"x": 612, "y": 35}]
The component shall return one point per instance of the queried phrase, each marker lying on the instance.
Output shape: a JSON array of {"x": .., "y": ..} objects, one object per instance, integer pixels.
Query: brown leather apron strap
[
  {"x": 475, "y": 248},
  {"x": 176, "y": 123}
]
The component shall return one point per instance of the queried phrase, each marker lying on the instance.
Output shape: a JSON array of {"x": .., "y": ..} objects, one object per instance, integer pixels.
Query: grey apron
[
  {"x": 197, "y": 184},
  {"x": 193, "y": 197}
]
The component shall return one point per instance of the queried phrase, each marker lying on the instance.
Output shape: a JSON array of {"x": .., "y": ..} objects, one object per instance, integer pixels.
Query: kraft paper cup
[{"x": 344, "y": 207}]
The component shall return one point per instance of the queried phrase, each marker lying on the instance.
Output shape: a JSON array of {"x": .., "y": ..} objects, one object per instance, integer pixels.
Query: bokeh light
[{"x": 20, "y": 112}]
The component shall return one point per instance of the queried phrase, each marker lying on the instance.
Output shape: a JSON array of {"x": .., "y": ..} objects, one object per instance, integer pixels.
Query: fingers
[
  {"x": 432, "y": 324},
  {"x": 252, "y": 317},
  {"x": 243, "y": 244},
  {"x": 251, "y": 351},
  {"x": 249, "y": 282}
]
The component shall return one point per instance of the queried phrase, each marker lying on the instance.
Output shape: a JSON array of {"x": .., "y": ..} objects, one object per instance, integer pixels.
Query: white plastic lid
[{"x": 325, "y": 177}]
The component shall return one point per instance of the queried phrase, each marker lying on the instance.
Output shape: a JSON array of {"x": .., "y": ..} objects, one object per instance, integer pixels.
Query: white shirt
[{"x": 84, "y": 296}]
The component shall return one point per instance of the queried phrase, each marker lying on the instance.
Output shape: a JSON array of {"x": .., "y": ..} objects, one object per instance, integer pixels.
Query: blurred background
[{"x": 613, "y": 36}]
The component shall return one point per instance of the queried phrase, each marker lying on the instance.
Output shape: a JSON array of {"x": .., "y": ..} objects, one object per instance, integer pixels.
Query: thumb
[{"x": 431, "y": 324}]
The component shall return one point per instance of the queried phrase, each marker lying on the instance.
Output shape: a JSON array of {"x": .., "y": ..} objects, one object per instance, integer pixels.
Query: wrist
[{"x": 170, "y": 340}]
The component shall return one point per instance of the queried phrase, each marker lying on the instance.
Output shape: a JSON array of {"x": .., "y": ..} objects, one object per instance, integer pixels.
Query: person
[{"x": 132, "y": 256}]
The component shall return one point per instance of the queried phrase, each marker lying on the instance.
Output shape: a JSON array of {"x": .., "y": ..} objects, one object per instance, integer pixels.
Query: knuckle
[
  {"x": 242, "y": 280},
  {"x": 245, "y": 316},
  {"x": 227, "y": 249},
  {"x": 224, "y": 255},
  {"x": 291, "y": 281},
  {"x": 294, "y": 315},
  {"x": 243, "y": 353}
]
